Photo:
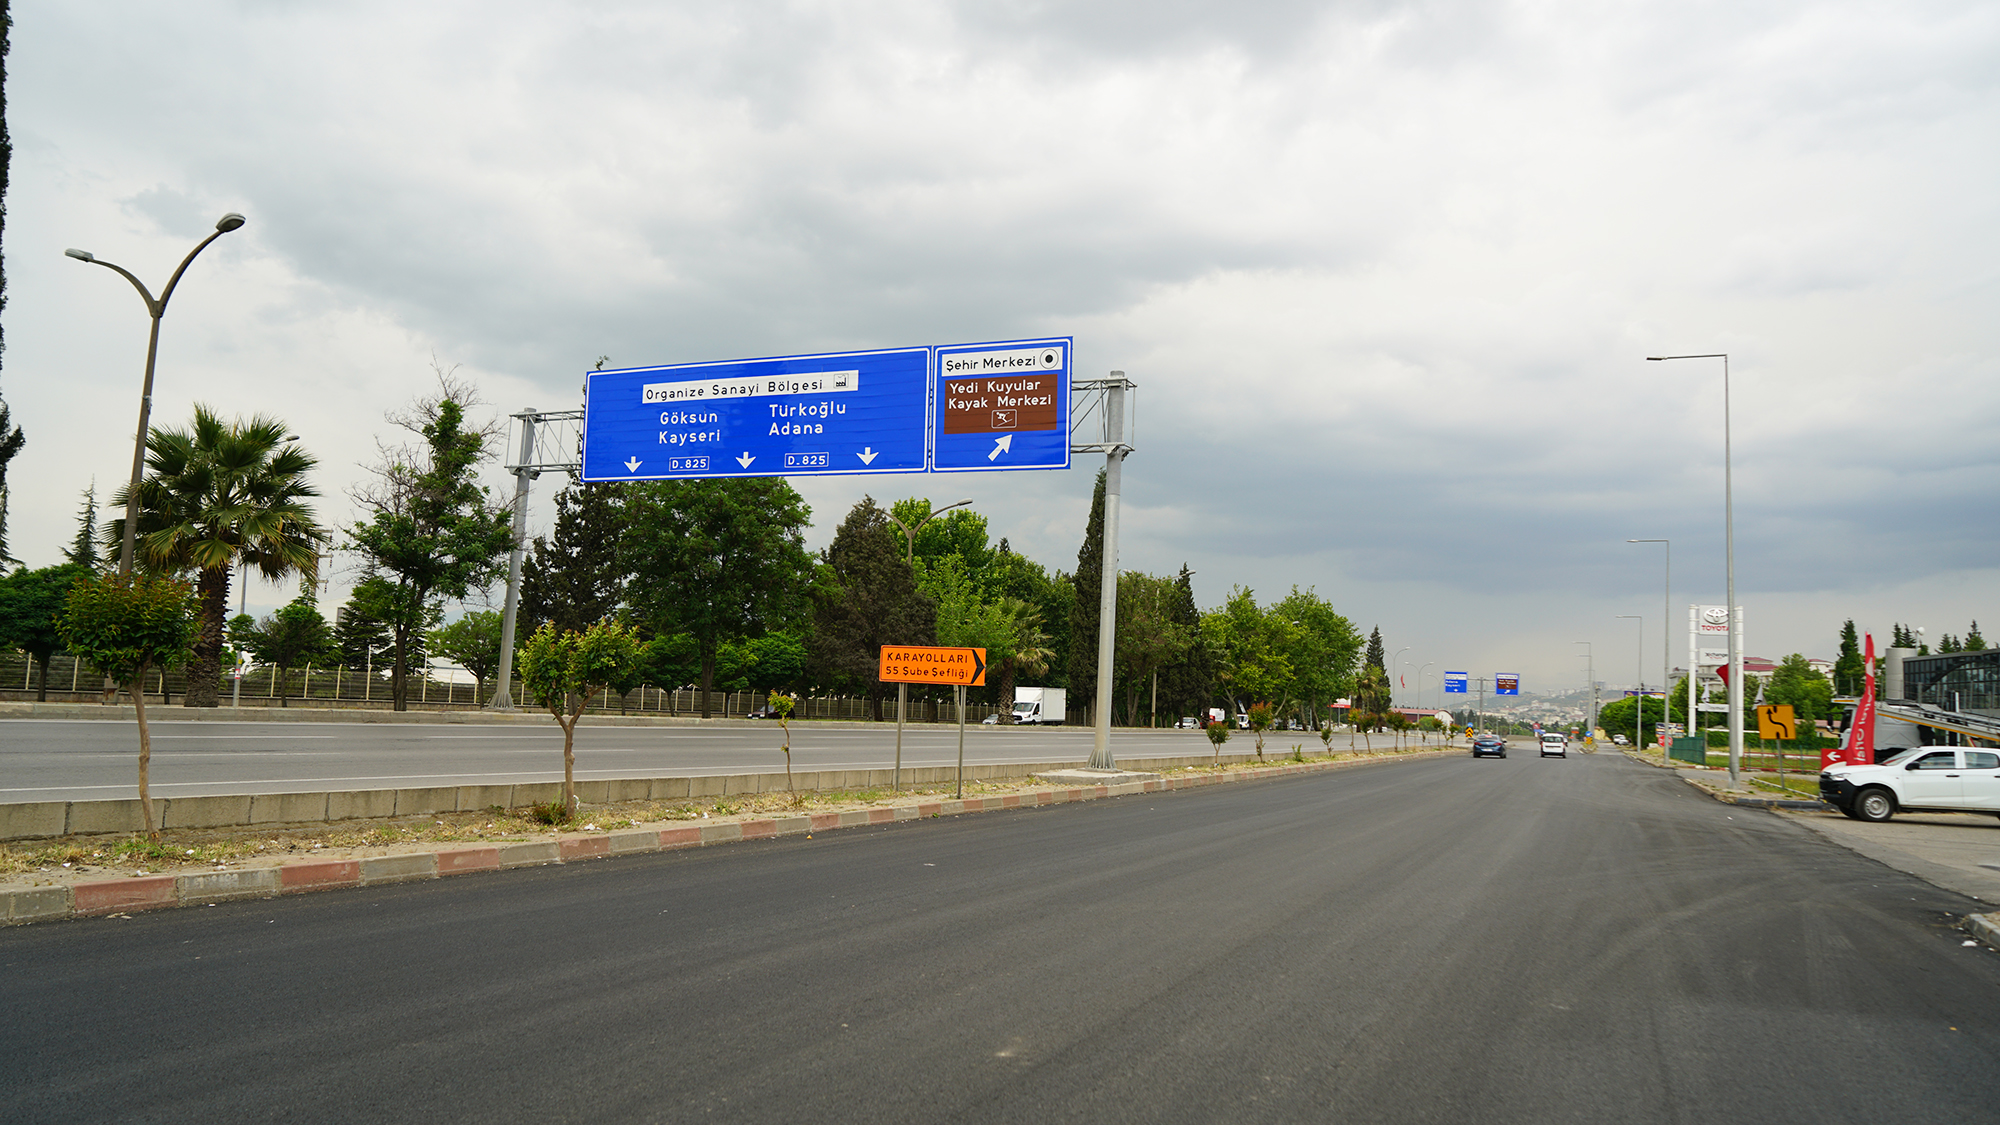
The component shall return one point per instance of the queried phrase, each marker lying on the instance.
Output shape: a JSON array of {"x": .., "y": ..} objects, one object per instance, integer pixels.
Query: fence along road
[{"x": 93, "y": 760}]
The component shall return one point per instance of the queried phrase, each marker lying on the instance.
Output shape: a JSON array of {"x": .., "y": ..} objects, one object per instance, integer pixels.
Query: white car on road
[
  {"x": 1554, "y": 744},
  {"x": 1928, "y": 778}
]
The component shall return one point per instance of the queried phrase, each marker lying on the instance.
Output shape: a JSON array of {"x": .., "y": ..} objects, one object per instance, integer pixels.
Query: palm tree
[
  {"x": 215, "y": 495},
  {"x": 1030, "y": 652}
]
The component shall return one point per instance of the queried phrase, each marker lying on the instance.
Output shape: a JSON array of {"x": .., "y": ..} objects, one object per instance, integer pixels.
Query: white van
[{"x": 1553, "y": 743}]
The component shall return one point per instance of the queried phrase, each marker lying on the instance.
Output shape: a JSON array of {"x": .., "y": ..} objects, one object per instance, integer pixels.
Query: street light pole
[
  {"x": 1392, "y": 664},
  {"x": 156, "y": 307},
  {"x": 1590, "y": 670},
  {"x": 1666, "y": 640},
  {"x": 1729, "y": 551}
]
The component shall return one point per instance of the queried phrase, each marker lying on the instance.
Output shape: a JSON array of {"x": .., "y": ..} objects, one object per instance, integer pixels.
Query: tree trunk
[
  {"x": 569, "y": 755},
  {"x": 205, "y": 667},
  {"x": 138, "y": 689},
  {"x": 399, "y": 672},
  {"x": 42, "y": 683},
  {"x": 1006, "y": 693},
  {"x": 707, "y": 677}
]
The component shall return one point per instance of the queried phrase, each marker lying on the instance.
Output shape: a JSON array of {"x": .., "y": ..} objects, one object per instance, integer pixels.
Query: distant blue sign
[
  {"x": 1002, "y": 405},
  {"x": 1506, "y": 683},
  {"x": 788, "y": 416},
  {"x": 1454, "y": 682}
]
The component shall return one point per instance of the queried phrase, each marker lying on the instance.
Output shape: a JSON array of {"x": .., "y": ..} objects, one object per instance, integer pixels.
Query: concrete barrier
[
  {"x": 40, "y": 819},
  {"x": 206, "y": 812}
]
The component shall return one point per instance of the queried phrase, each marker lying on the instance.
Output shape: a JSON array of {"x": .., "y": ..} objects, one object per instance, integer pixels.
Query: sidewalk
[{"x": 1956, "y": 851}]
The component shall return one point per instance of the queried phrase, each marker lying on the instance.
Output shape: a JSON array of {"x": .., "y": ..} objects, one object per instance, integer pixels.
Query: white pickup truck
[{"x": 1926, "y": 778}]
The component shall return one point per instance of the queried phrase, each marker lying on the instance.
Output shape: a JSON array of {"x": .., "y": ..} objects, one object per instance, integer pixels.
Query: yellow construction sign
[{"x": 1774, "y": 720}]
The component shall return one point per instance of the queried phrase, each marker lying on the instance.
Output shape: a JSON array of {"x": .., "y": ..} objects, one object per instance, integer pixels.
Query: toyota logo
[{"x": 1715, "y": 615}]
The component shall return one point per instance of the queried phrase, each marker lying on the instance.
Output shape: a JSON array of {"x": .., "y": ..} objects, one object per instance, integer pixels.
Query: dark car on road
[{"x": 1489, "y": 746}]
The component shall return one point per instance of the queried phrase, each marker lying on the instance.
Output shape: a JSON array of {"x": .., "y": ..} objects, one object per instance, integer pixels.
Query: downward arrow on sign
[
  {"x": 745, "y": 459},
  {"x": 868, "y": 455},
  {"x": 633, "y": 464},
  {"x": 1001, "y": 445}
]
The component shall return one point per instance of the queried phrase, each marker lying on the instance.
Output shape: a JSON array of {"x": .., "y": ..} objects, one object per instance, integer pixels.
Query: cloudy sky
[{"x": 1386, "y": 273}]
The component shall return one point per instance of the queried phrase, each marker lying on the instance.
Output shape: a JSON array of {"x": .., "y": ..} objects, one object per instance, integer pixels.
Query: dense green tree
[
  {"x": 125, "y": 626},
  {"x": 1187, "y": 684},
  {"x": 358, "y": 636},
  {"x": 719, "y": 560},
  {"x": 215, "y": 495},
  {"x": 296, "y": 636},
  {"x": 1847, "y": 668},
  {"x": 1322, "y": 647},
  {"x": 1949, "y": 643},
  {"x": 1616, "y": 717},
  {"x": 11, "y": 441},
  {"x": 867, "y": 598},
  {"x": 1150, "y": 638},
  {"x": 1798, "y": 684},
  {"x": 10, "y": 435},
  {"x": 473, "y": 642},
  {"x": 433, "y": 533},
  {"x": 573, "y": 576},
  {"x": 83, "y": 549},
  {"x": 1377, "y": 656},
  {"x": 29, "y": 603},
  {"x": 1085, "y": 609},
  {"x": 1973, "y": 641},
  {"x": 1028, "y": 652},
  {"x": 959, "y": 533},
  {"x": 1249, "y": 647}
]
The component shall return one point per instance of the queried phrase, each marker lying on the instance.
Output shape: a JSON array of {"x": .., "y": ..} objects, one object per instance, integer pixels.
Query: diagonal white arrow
[
  {"x": 868, "y": 455},
  {"x": 745, "y": 459},
  {"x": 1001, "y": 445},
  {"x": 633, "y": 465}
]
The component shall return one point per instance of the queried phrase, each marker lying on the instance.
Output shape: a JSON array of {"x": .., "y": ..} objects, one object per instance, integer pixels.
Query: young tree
[
  {"x": 126, "y": 625},
  {"x": 868, "y": 598},
  {"x": 1085, "y": 610},
  {"x": 218, "y": 494},
  {"x": 294, "y": 637},
  {"x": 433, "y": 533},
  {"x": 29, "y": 603},
  {"x": 474, "y": 642},
  {"x": 1218, "y": 733},
  {"x": 1260, "y": 716},
  {"x": 716, "y": 559},
  {"x": 83, "y": 549},
  {"x": 1847, "y": 669},
  {"x": 573, "y": 577},
  {"x": 563, "y": 670}
]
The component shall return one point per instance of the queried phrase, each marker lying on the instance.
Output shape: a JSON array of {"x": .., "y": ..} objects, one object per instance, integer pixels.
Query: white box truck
[{"x": 1039, "y": 705}]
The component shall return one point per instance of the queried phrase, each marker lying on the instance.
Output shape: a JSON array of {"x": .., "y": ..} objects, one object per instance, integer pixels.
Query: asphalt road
[
  {"x": 80, "y": 760},
  {"x": 1442, "y": 940}
]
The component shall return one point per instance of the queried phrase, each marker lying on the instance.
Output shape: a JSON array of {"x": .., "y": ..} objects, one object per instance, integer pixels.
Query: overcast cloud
[{"x": 1385, "y": 272}]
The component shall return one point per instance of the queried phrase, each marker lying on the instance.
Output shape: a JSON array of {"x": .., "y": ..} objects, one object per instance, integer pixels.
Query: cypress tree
[
  {"x": 1847, "y": 670},
  {"x": 1083, "y": 615}
]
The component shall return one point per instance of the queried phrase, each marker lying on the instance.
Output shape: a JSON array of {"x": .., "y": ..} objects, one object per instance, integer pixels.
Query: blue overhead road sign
[
  {"x": 1455, "y": 682},
  {"x": 787, "y": 416},
  {"x": 1001, "y": 405}
]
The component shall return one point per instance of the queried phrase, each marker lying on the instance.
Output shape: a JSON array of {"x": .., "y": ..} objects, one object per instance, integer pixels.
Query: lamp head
[
  {"x": 1656, "y": 358},
  {"x": 81, "y": 255},
  {"x": 229, "y": 222}
]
